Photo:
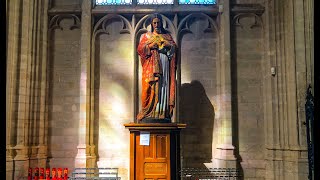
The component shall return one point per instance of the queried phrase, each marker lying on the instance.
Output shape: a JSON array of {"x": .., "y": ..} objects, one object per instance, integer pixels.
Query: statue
[{"x": 157, "y": 51}]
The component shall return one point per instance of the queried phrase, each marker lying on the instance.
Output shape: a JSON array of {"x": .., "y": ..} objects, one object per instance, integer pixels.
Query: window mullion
[
  {"x": 134, "y": 3},
  {"x": 175, "y": 2}
]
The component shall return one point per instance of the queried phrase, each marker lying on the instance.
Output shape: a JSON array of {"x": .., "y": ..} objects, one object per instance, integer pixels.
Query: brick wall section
[
  {"x": 64, "y": 95},
  {"x": 198, "y": 89}
]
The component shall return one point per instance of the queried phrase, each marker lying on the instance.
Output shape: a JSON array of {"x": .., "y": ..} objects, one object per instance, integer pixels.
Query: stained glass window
[
  {"x": 197, "y": 1},
  {"x": 155, "y": 2},
  {"x": 113, "y": 2}
]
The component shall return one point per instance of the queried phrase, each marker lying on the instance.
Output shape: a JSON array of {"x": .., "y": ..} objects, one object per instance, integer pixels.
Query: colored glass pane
[
  {"x": 197, "y": 1},
  {"x": 113, "y": 2},
  {"x": 146, "y": 2}
]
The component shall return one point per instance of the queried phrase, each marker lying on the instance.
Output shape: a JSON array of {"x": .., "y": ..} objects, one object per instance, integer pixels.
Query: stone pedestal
[{"x": 160, "y": 159}]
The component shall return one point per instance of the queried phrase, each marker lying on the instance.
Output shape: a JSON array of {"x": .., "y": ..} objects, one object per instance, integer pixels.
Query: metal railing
[
  {"x": 309, "y": 107},
  {"x": 95, "y": 173},
  {"x": 206, "y": 174}
]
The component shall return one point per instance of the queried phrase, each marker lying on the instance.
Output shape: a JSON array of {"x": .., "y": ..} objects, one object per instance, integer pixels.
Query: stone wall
[
  {"x": 247, "y": 47},
  {"x": 198, "y": 92},
  {"x": 114, "y": 100},
  {"x": 248, "y": 1},
  {"x": 64, "y": 102},
  {"x": 59, "y": 3}
]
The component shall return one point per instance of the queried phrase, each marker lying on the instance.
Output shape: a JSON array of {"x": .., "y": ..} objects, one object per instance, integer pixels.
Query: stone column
[
  {"x": 33, "y": 37},
  {"x": 309, "y": 30},
  {"x": 42, "y": 79},
  {"x": 224, "y": 153},
  {"x": 268, "y": 89},
  {"x": 13, "y": 14},
  {"x": 284, "y": 92},
  {"x": 26, "y": 73},
  {"x": 271, "y": 109},
  {"x": 302, "y": 25},
  {"x": 23, "y": 85},
  {"x": 85, "y": 157},
  {"x": 38, "y": 152}
]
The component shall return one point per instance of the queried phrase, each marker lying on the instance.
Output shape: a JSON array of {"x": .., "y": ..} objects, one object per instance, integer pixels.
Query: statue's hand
[
  {"x": 166, "y": 44},
  {"x": 140, "y": 116},
  {"x": 153, "y": 45}
]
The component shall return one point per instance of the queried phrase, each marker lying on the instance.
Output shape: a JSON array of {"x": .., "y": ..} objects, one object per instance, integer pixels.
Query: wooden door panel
[
  {"x": 155, "y": 168},
  {"x": 153, "y": 161},
  {"x": 148, "y": 151},
  {"x": 161, "y": 143}
]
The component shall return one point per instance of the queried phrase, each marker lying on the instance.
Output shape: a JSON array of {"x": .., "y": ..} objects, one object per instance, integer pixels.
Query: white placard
[{"x": 144, "y": 138}]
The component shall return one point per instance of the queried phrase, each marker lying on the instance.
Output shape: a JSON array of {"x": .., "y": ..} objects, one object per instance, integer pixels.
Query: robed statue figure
[{"x": 157, "y": 52}]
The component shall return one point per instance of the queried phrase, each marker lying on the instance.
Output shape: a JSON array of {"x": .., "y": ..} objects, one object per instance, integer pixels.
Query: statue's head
[{"x": 156, "y": 23}]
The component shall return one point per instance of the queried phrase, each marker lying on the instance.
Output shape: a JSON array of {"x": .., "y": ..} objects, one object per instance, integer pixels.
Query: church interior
[{"x": 243, "y": 70}]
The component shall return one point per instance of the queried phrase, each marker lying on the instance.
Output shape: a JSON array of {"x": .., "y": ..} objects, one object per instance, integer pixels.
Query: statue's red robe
[{"x": 151, "y": 70}]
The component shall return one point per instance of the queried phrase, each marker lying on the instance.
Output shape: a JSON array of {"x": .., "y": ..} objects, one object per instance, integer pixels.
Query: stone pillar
[
  {"x": 268, "y": 87},
  {"x": 85, "y": 156},
  {"x": 309, "y": 30},
  {"x": 26, "y": 72},
  {"x": 302, "y": 23},
  {"x": 224, "y": 153},
  {"x": 23, "y": 78},
  {"x": 42, "y": 58},
  {"x": 20, "y": 74},
  {"x": 13, "y": 14},
  {"x": 284, "y": 92},
  {"x": 35, "y": 81},
  {"x": 24, "y": 90}
]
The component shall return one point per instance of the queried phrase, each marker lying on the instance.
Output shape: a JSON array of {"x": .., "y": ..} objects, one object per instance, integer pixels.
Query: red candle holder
[
  {"x": 36, "y": 173},
  {"x": 30, "y": 174},
  {"x": 65, "y": 174},
  {"x": 41, "y": 175},
  {"x": 54, "y": 175},
  {"x": 48, "y": 174},
  {"x": 59, "y": 174}
]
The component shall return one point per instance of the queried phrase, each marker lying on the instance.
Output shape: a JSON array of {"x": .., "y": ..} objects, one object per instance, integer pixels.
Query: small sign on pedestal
[{"x": 144, "y": 138}]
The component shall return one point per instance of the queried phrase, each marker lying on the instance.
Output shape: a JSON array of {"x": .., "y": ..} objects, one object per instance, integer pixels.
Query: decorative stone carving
[
  {"x": 54, "y": 22},
  {"x": 255, "y": 20}
]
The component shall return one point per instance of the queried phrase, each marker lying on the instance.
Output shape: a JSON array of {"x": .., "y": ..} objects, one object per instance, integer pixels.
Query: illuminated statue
[{"x": 157, "y": 51}]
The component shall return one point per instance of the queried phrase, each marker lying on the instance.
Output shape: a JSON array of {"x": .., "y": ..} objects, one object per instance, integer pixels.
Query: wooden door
[{"x": 153, "y": 161}]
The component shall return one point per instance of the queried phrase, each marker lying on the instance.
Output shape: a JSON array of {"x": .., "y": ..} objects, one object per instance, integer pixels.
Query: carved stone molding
[
  {"x": 247, "y": 8},
  {"x": 184, "y": 25},
  {"x": 257, "y": 22},
  {"x": 101, "y": 25},
  {"x": 65, "y": 10},
  {"x": 54, "y": 22}
]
